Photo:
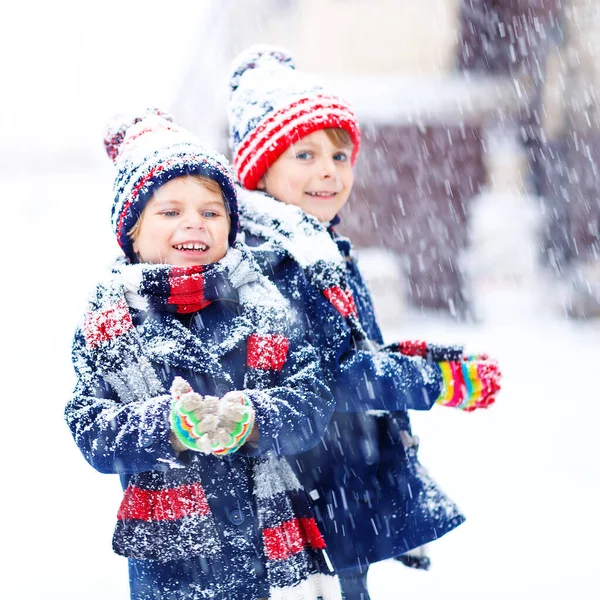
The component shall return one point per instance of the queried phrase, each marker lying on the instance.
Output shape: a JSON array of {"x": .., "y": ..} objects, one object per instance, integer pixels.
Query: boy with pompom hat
[
  {"x": 193, "y": 383},
  {"x": 294, "y": 145}
]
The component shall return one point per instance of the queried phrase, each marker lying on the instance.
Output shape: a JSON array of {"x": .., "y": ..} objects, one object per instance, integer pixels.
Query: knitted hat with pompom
[
  {"x": 148, "y": 150},
  {"x": 273, "y": 106}
]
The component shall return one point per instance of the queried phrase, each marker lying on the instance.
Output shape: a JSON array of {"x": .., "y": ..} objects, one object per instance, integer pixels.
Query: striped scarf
[{"x": 165, "y": 515}]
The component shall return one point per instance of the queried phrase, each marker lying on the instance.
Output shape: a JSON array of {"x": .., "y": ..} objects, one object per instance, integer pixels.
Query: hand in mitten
[
  {"x": 208, "y": 424},
  {"x": 235, "y": 424},
  {"x": 470, "y": 382}
]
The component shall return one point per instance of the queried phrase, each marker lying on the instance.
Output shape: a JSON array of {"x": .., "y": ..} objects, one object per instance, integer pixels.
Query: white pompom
[
  {"x": 255, "y": 57},
  {"x": 118, "y": 126}
]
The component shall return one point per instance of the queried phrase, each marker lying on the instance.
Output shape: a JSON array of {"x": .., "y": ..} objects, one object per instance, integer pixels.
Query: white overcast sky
[{"x": 66, "y": 66}]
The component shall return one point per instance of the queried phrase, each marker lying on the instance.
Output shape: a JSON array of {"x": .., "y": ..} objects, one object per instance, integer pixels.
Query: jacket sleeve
[
  {"x": 378, "y": 379},
  {"x": 113, "y": 436},
  {"x": 360, "y": 378},
  {"x": 365, "y": 380},
  {"x": 292, "y": 416}
]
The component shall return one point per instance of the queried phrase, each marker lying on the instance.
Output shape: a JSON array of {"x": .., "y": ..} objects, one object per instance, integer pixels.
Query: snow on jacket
[
  {"x": 197, "y": 526},
  {"x": 372, "y": 497}
]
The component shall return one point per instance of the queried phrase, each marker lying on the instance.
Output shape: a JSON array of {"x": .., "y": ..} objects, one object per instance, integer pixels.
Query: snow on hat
[
  {"x": 272, "y": 106},
  {"x": 148, "y": 150}
]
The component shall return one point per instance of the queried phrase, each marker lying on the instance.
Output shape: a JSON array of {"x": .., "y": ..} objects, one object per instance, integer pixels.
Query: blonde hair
[
  {"x": 210, "y": 184},
  {"x": 340, "y": 138}
]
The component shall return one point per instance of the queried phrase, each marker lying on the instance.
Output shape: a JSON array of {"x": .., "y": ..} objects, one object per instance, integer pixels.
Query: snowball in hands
[{"x": 208, "y": 424}]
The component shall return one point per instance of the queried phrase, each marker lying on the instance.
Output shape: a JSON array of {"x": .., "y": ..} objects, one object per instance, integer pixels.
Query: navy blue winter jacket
[
  {"x": 372, "y": 497},
  {"x": 132, "y": 440}
]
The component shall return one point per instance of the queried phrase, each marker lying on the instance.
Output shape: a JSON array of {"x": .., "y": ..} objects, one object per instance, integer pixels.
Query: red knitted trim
[
  {"x": 163, "y": 505},
  {"x": 342, "y": 300},
  {"x": 264, "y": 133},
  {"x": 267, "y": 352},
  {"x": 105, "y": 324},
  {"x": 288, "y": 114},
  {"x": 291, "y": 537},
  {"x": 413, "y": 348}
]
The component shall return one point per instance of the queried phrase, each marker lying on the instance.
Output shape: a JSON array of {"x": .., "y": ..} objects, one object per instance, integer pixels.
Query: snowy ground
[{"x": 525, "y": 472}]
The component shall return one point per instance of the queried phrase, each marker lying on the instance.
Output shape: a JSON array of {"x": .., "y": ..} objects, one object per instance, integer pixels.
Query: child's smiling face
[
  {"x": 314, "y": 174},
  {"x": 185, "y": 223}
]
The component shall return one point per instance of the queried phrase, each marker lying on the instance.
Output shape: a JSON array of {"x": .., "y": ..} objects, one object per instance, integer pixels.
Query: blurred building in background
[{"x": 461, "y": 102}]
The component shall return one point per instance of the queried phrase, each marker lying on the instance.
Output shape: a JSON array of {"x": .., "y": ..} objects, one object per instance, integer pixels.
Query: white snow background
[{"x": 525, "y": 471}]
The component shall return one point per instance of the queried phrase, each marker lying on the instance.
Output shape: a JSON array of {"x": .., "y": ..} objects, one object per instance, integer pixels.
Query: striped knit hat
[
  {"x": 148, "y": 150},
  {"x": 272, "y": 106}
]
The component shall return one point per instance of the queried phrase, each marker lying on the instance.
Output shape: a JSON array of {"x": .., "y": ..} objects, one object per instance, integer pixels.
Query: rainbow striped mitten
[
  {"x": 470, "y": 383},
  {"x": 209, "y": 424}
]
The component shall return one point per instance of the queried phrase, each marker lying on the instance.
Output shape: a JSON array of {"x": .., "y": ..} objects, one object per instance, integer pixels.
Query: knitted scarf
[
  {"x": 166, "y": 515},
  {"x": 311, "y": 246}
]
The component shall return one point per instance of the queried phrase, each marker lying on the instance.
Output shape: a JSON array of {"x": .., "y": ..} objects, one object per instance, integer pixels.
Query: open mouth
[
  {"x": 191, "y": 247},
  {"x": 321, "y": 194}
]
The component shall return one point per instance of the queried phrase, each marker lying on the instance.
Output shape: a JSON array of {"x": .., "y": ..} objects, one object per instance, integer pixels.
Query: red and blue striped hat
[
  {"x": 148, "y": 150},
  {"x": 272, "y": 106}
]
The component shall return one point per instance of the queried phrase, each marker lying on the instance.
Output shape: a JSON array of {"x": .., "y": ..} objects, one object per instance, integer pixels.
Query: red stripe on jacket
[
  {"x": 103, "y": 325},
  {"x": 267, "y": 352}
]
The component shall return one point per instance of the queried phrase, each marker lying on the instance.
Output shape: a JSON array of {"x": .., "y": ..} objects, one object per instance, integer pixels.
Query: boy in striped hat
[
  {"x": 294, "y": 145},
  {"x": 193, "y": 384}
]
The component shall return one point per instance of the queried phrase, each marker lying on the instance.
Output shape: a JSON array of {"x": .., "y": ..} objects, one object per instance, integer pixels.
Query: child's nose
[
  {"x": 193, "y": 220},
  {"x": 327, "y": 167}
]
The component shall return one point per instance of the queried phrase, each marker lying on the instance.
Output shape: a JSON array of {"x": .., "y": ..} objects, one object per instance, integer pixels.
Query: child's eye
[
  {"x": 341, "y": 156},
  {"x": 306, "y": 155},
  {"x": 210, "y": 214},
  {"x": 169, "y": 213}
]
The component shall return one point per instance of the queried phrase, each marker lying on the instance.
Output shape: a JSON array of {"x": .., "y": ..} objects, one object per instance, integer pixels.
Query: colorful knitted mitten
[
  {"x": 470, "y": 382},
  {"x": 208, "y": 424}
]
